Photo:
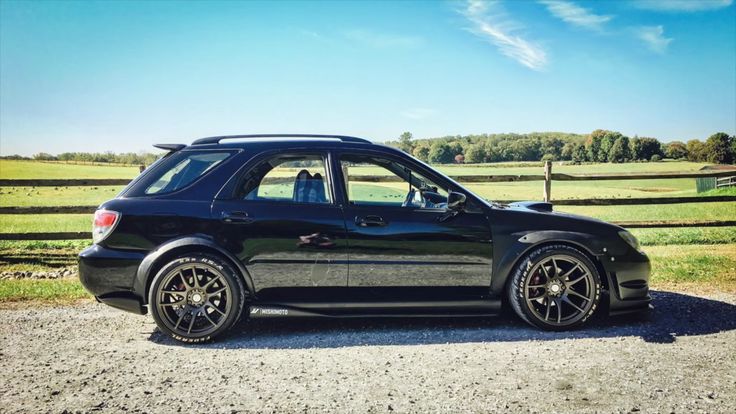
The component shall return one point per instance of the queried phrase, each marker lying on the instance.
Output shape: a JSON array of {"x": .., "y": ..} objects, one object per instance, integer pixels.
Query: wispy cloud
[
  {"x": 500, "y": 31},
  {"x": 682, "y": 5},
  {"x": 383, "y": 40},
  {"x": 653, "y": 37},
  {"x": 418, "y": 113},
  {"x": 575, "y": 15},
  {"x": 310, "y": 33}
]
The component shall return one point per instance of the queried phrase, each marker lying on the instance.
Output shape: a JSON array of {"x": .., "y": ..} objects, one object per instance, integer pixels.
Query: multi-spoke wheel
[
  {"x": 555, "y": 287},
  {"x": 196, "y": 297}
]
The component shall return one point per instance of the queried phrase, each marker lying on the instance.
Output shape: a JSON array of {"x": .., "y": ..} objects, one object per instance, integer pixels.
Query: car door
[
  {"x": 400, "y": 232},
  {"x": 283, "y": 224}
]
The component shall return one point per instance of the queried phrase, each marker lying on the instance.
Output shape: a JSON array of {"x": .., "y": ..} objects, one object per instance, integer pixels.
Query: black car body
[{"x": 304, "y": 243}]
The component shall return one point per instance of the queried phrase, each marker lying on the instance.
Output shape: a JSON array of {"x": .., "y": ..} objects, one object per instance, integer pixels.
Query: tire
[
  {"x": 555, "y": 288},
  {"x": 196, "y": 297}
]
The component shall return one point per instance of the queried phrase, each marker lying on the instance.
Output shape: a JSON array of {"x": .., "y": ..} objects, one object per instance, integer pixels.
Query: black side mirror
[{"x": 455, "y": 201}]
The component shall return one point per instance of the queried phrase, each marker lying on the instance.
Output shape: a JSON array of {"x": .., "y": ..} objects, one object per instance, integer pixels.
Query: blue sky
[{"x": 119, "y": 76}]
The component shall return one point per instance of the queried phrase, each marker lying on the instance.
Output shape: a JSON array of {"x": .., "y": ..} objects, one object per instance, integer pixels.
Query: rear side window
[
  {"x": 287, "y": 178},
  {"x": 182, "y": 169}
]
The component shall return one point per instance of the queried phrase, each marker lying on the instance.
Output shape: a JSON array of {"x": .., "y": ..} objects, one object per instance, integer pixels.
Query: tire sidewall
[
  {"x": 520, "y": 277},
  {"x": 231, "y": 277}
]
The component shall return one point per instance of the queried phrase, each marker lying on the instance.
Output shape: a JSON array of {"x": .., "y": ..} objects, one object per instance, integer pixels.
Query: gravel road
[{"x": 679, "y": 358}]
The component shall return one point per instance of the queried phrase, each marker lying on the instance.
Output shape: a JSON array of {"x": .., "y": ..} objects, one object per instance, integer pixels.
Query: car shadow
[{"x": 674, "y": 315}]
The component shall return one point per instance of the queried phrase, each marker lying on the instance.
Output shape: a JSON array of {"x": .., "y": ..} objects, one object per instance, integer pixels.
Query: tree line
[
  {"x": 598, "y": 146},
  {"x": 130, "y": 158}
]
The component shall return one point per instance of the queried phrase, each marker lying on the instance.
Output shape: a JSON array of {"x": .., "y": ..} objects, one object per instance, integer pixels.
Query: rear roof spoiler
[{"x": 170, "y": 147}]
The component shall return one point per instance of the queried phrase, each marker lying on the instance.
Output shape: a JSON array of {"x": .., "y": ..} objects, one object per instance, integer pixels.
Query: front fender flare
[
  {"x": 519, "y": 244},
  {"x": 170, "y": 248}
]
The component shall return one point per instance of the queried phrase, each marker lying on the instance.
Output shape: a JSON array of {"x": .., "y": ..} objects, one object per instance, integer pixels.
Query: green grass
[
  {"x": 45, "y": 223},
  {"x": 12, "y": 169},
  {"x": 51, "y": 290},
  {"x": 536, "y": 169},
  {"x": 694, "y": 268},
  {"x": 686, "y": 211},
  {"x": 56, "y": 196},
  {"x": 686, "y": 235}
]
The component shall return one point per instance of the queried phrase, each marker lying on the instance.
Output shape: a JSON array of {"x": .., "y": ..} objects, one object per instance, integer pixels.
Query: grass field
[
  {"x": 11, "y": 169},
  {"x": 64, "y": 196}
]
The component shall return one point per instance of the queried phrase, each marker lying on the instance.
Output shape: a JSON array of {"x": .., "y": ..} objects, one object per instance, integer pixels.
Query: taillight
[{"x": 104, "y": 223}]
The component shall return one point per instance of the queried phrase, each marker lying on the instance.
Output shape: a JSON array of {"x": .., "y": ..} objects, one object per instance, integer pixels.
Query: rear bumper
[
  {"x": 109, "y": 275},
  {"x": 628, "y": 277}
]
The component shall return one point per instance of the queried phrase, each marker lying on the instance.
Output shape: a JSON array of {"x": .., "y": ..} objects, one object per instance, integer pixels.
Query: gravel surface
[{"x": 679, "y": 358}]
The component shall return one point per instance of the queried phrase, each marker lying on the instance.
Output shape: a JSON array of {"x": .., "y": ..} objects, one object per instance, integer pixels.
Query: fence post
[{"x": 547, "y": 181}]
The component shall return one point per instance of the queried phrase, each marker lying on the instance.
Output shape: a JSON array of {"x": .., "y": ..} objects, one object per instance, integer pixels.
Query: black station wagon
[{"x": 336, "y": 226}]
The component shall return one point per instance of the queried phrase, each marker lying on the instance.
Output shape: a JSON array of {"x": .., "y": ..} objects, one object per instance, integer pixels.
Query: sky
[{"x": 120, "y": 76}]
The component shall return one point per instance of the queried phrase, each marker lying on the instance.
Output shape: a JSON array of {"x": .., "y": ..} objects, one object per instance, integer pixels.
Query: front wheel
[
  {"x": 196, "y": 297},
  {"x": 555, "y": 288}
]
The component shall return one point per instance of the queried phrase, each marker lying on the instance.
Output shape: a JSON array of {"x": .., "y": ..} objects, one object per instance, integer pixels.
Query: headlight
[{"x": 629, "y": 238}]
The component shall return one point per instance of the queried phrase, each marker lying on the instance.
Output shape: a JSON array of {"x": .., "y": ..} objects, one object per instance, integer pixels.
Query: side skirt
[{"x": 464, "y": 308}]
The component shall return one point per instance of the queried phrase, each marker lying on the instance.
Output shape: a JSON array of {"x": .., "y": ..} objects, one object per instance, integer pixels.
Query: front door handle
[
  {"x": 240, "y": 217},
  {"x": 370, "y": 221}
]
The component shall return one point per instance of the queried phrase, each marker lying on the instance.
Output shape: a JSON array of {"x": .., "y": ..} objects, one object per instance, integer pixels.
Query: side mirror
[{"x": 455, "y": 201}]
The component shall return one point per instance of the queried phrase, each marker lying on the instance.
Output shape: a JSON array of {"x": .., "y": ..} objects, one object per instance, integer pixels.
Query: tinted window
[
  {"x": 297, "y": 179},
  {"x": 182, "y": 169},
  {"x": 378, "y": 181}
]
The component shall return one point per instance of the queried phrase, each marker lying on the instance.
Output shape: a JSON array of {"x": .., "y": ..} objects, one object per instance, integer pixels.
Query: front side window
[
  {"x": 297, "y": 179},
  {"x": 378, "y": 181},
  {"x": 183, "y": 169}
]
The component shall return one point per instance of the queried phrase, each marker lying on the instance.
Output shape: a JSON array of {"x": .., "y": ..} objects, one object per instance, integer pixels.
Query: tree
[
  {"x": 620, "y": 151},
  {"x": 567, "y": 150},
  {"x": 440, "y": 153},
  {"x": 421, "y": 152},
  {"x": 675, "y": 150},
  {"x": 475, "y": 153},
  {"x": 43, "y": 156},
  {"x": 607, "y": 142},
  {"x": 579, "y": 154},
  {"x": 718, "y": 149},
  {"x": 696, "y": 151},
  {"x": 593, "y": 144},
  {"x": 405, "y": 143},
  {"x": 645, "y": 148}
]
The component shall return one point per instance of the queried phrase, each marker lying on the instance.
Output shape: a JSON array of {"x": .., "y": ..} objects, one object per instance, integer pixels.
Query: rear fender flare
[{"x": 184, "y": 244}]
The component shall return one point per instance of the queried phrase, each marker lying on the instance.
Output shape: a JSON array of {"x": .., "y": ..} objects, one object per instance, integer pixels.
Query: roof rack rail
[{"x": 216, "y": 140}]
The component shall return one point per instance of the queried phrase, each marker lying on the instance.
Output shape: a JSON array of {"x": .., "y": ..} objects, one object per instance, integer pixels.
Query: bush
[
  {"x": 548, "y": 157},
  {"x": 656, "y": 158}
]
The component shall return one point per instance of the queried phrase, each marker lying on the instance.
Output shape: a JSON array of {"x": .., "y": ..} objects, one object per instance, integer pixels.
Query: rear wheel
[
  {"x": 555, "y": 288},
  {"x": 196, "y": 297}
]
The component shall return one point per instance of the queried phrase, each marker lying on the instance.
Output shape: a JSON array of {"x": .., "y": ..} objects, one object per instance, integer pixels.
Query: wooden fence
[{"x": 547, "y": 177}]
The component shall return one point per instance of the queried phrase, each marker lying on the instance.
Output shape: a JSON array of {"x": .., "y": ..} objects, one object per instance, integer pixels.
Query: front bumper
[
  {"x": 628, "y": 277},
  {"x": 109, "y": 275}
]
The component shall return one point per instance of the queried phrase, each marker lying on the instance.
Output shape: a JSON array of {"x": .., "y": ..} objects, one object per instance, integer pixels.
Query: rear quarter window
[{"x": 179, "y": 170}]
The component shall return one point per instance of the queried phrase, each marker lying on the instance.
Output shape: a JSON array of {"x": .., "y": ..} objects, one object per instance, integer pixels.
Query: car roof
[
  {"x": 218, "y": 139},
  {"x": 261, "y": 142}
]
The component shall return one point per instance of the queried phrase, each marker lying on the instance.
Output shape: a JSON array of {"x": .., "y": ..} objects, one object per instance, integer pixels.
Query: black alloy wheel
[
  {"x": 196, "y": 297},
  {"x": 555, "y": 288}
]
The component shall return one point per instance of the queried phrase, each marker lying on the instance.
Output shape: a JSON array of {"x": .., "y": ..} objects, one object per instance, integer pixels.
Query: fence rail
[
  {"x": 86, "y": 182},
  {"x": 564, "y": 202}
]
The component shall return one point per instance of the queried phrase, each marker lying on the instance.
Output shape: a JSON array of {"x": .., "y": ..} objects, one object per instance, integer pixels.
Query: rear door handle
[
  {"x": 240, "y": 217},
  {"x": 370, "y": 221}
]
